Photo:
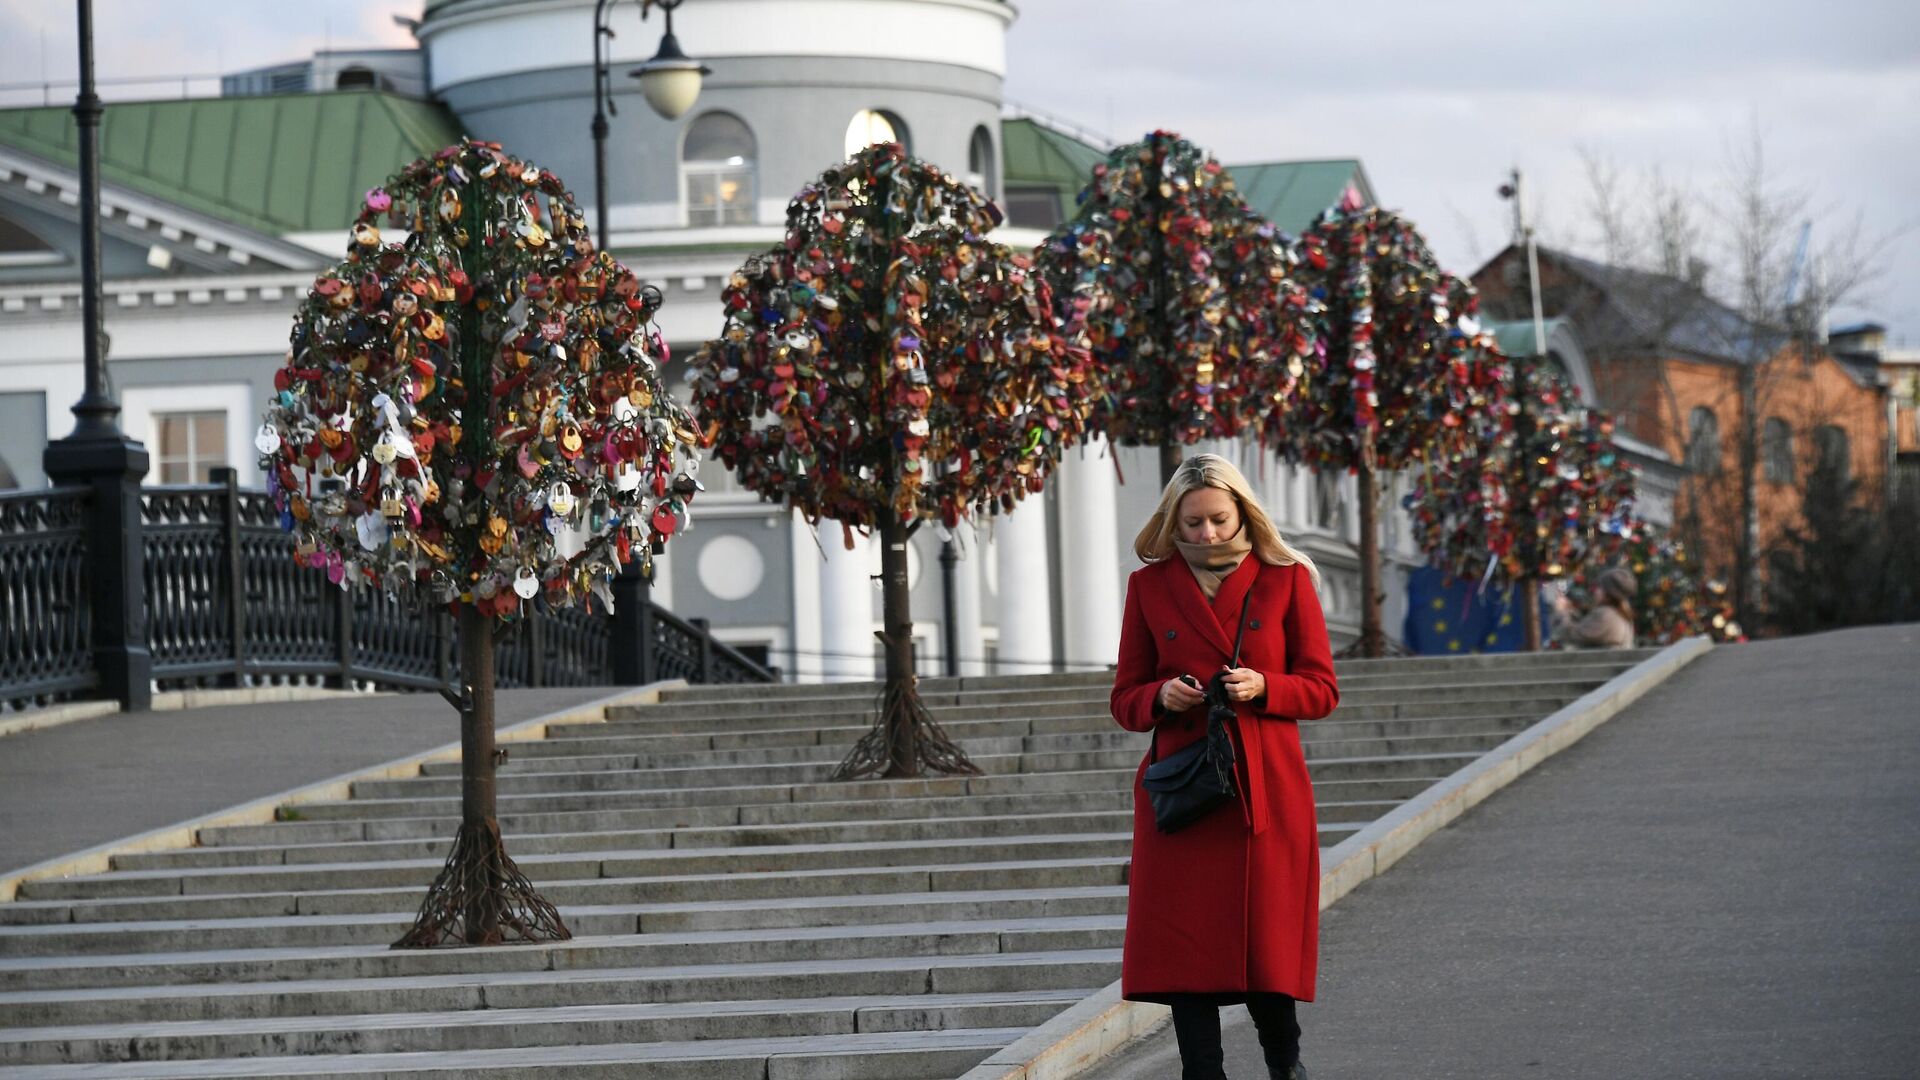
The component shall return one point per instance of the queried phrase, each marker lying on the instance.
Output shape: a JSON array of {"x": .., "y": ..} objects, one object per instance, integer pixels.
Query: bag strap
[{"x": 1153, "y": 748}]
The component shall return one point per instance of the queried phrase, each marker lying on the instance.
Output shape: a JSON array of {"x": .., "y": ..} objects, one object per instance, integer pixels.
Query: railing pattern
[
  {"x": 46, "y": 639},
  {"x": 226, "y": 604}
]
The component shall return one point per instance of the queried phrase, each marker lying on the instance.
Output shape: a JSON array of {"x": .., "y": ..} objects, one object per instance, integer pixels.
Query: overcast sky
[{"x": 1437, "y": 99}]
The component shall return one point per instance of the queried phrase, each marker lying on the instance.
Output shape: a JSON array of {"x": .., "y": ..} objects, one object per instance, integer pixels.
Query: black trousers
[{"x": 1196, "y": 1025}]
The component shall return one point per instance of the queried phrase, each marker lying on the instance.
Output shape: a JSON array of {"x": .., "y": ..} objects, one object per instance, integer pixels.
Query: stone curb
[
  {"x": 1102, "y": 1023},
  {"x": 261, "y": 811},
  {"x": 168, "y": 701}
]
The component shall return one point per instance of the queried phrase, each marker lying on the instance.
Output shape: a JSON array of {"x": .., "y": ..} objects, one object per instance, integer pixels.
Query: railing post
[
  {"x": 706, "y": 649},
  {"x": 632, "y": 630},
  {"x": 443, "y": 630},
  {"x": 342, "y": 639},
  {"x": 536, "y": 633},
  {"x": 111, "y": 469},
  {"x": 236, "y": 573}
]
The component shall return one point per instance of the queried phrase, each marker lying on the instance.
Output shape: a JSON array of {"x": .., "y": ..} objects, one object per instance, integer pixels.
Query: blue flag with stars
[{"x": 1449, "y": 616}]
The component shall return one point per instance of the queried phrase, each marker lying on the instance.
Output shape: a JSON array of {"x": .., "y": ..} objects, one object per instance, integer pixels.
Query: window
[
  {"x": 1033, "y": 207},
  {"x": 717, "y": 169},
  {"x": 7, "y": 480},
  {"x": 1833, "y": 454},
  {"x": 355, "y": 78},
  {"x": 1776, "y": 449},
  {"x": 1703, "y": 442},
  {"x": 980, "y": 171},
  {"x": 192, "y": 445},
  {"x": 871, "y": 126}
]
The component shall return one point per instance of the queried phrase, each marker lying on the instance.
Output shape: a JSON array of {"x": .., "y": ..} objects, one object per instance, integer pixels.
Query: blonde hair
[{"x": 1155, "y": 541}]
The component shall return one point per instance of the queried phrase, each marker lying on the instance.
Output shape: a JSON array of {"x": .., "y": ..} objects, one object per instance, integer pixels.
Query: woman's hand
[
  {"x": 1244, "y": 684},
  {"x": 1176, "y": 696}
]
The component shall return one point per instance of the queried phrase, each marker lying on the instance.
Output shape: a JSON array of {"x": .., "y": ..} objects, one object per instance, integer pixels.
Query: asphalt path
[
  {"x": 68, "y": 788},
  {"x": 1721, "y": 882}
]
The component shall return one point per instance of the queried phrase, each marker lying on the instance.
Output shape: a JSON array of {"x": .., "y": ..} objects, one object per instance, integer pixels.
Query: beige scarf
[{"x": 1211, "y": 563}]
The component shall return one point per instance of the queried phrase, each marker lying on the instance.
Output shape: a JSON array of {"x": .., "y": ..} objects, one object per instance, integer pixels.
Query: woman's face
[{"x": 1207, "y": 516}]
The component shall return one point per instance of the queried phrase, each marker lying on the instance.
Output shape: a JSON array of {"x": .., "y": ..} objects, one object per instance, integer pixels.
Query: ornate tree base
[
  {"x": 1381, "y": 646},
  {"x": 905, "y": 742},
  {"x": 482, "y": 898}
]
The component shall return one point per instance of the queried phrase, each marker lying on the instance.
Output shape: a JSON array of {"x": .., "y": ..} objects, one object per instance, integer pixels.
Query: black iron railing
[
  {"x": 46, "y": 639},
  {"x": 226, "y": 605}
]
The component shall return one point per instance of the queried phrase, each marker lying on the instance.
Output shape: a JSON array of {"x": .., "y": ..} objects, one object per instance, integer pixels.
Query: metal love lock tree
[
  {"x": 1672, "y": 597},
  {"x": 885, "y": 366},
  {"x": 1185, "y": 298},
  {"x": 1528, "y": 488},
  {"x": 1391, "y": 375},
  {"x": 452, "y": 405}
]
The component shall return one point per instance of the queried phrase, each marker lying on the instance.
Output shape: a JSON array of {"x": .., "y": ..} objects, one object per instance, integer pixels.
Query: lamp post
[
  {"x": 670, "y": 82},
  {"x": 1515, "y": 191},
  {"x": 98, "y": 456}
]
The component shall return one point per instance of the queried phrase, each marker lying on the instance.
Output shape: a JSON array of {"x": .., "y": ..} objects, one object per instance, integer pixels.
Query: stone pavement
[
  {"x": 1721, "y": 882},
  {"x": 72, "y": 787}
]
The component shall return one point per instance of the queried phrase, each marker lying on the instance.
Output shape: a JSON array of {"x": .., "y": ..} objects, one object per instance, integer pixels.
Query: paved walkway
[
  {"x": 69, "y": 788},
  {"x": 1721, "y": 882}
]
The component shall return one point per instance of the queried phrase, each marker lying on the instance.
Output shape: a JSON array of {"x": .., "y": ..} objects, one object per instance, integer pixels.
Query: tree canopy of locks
[
  {"x": 1529, "y": 485},
  {"x": 885, "y": 359},
  {"x": 1391, "y": 375},
  {"x": 1184, "y": 296},
  {"x": 456, "y": 399}
]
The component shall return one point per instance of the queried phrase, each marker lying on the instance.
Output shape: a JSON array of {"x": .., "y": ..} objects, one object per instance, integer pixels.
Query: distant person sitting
[{"x": 1609, "y": 625}]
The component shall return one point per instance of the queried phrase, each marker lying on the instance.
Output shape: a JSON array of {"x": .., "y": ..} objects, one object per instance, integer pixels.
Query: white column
[
  {"x": 968, "y": 580},
  {"x": 1090, "y": 567},
  {"x": 1020, "y": 556},
  {"x": 1300, "y": 496},
  {"x": 846, "y": 607}
]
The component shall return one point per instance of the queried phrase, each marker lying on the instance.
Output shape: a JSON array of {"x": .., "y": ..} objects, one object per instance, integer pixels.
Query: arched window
[
  {"x": 1703, "y": 442},
  {"x": 355, "y": 77},
  {"x": 980, "y": 171},
  {"x": 871, "y": 126},
  {"x": 1834, "y": 456},
  {"x": 717, "y": 170},
  {"x": 1776, "y": 449}
]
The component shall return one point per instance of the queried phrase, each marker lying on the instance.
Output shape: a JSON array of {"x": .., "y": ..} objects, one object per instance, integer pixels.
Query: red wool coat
[{"x": 1230, "y": 904}]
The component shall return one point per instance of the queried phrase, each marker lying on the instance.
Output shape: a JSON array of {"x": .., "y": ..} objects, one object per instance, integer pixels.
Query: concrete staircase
[{"x": 734, "y": 914}]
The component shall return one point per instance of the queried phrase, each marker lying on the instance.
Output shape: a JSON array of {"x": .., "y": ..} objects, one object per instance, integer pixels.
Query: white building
[{"x": 217, "y": 211}]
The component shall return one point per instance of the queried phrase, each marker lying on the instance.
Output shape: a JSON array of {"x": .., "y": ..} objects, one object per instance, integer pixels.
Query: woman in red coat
[{"x": 1226, "y": 910}]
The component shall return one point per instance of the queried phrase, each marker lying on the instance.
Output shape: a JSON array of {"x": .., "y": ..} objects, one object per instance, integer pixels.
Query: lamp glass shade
[{"x": 670, "y": 89}]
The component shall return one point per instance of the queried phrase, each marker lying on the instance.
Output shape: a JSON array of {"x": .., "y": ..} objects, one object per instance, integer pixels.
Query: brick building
[{"x": 1667, "y": 361}]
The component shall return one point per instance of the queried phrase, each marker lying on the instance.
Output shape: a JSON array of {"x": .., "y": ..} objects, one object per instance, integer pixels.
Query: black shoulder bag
[{"x": 1192, "y": 782}]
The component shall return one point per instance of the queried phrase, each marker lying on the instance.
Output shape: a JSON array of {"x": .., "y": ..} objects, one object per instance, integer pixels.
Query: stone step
[
  {"x": 392, "y": 819},
  {"x": 759, "y": 871},
  {"x": 886, "y": 1055},
  {"x": 402, "y": 835},
  {"x": 1461, "y": 733},
  {"x": 578, "y": 751},
  {"x": 659, "y": 905},
  {"x": 1343, "y": 669},
  {"x": 608, "y": 863},
  {"x": 1578, "y": 667},
  {"x": 783, "y": 712},
  {"x": 252, "y": 984},
  {"x": 583, "y": 791},
  {"x": 493, "y": 1029}
]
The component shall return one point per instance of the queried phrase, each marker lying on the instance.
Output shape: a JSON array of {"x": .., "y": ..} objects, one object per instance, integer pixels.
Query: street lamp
[{"x": 670, "y": 82}]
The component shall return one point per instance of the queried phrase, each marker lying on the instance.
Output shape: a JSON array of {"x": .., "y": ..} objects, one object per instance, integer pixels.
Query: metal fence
[{"x": 225, "y": 604}]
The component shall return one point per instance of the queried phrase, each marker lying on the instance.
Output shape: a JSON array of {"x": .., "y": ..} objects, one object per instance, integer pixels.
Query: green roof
[
  {"x": 1515, "y": 338},
  {"x": 1292, "y": 193},
  {"x": 1039, "y": 155},
  {"x": 278, "y": 164}
]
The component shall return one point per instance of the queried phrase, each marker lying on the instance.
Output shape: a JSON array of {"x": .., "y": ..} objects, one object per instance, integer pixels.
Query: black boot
[{"x": 1274, "y": 1018}]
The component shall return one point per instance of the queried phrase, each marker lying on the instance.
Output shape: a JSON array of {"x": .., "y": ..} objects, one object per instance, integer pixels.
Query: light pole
[
  {"x": 1515, "y": 191},
  {"x": 670, "y": 82},
  {"x": 98, "y": 456}
]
